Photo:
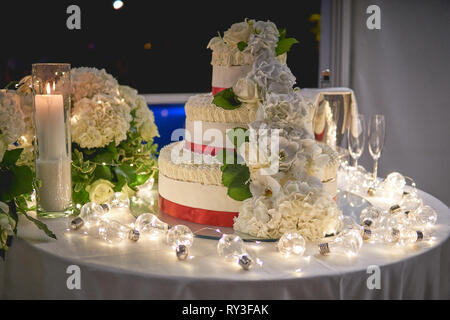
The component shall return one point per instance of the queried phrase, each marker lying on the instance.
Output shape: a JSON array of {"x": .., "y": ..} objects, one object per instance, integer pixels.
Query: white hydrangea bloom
[
  {"x": 3, "y": 147},
  {"x": 27, "y": 110},
  {"x": 98, "y": 121},
  {"x": 145, "y": 120},
  {"x": 88, "y": 82},
  {"x": 12, "y": 124},
  {"x": 309, "y": 211},
  {"x": 144, "y": 117},
  {"x": 264, "y": 37}
]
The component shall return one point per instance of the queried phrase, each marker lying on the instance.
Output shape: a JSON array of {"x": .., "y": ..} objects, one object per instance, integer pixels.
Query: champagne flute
[
  {"x": 376, "y": 133},
  {"x": 356, "y": 139}
]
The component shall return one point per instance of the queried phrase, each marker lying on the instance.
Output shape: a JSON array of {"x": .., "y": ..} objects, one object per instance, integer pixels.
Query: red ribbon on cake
[
  {"x": 197, "y": 215},
  {"x": 201, "y": 148},
  {"x": 216, "y": 90}
]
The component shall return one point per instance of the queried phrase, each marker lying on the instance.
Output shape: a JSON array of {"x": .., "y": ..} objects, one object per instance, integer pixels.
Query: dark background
[{"x": 178, "y": 32}]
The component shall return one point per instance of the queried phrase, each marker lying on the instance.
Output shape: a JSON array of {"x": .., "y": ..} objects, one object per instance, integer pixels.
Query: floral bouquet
[
  {"x": 112, "y": 131},
  {"x": 112, "y": 138}
]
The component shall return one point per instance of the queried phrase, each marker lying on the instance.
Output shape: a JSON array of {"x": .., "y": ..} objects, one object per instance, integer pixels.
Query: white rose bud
[
  {"x": 238, "y": 32},
  {"x": 246, "y": 90},
  {"x": 216, "y": 43},
  {"x": 100, "y": 191}
]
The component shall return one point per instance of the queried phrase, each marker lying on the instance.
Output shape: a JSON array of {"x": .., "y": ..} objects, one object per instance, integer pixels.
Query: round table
[{"x": 37, "y": 267}]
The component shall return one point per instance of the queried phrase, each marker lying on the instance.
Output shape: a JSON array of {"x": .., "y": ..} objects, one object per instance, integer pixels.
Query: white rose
[
  {"x": 246, "y": 90},
  {"x": 236, "y": 33},
  {"x": 217, "y": 44},
  {"x": 100, "y": 191}
]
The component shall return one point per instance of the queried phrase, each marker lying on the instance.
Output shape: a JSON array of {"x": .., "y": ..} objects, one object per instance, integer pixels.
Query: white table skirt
[{"x": 35, "y": 268}]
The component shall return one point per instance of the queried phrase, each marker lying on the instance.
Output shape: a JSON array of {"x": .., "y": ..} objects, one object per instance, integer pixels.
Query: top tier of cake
[{"x": 225, "y": 76}]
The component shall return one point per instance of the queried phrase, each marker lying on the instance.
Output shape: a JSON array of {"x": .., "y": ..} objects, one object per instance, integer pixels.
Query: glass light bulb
[
  {"x": 348, "y": 223},
  {"x": 90, "y": 214},
  {"x": 411, "y": 203},
  {"x": 91, "y": 210},
  {"x": 407, "y": 237},
  {"x": 146, "y": 192},
  {"x": 395, "y": 181},
  {"x": 150, "y": 226},
  {"x": 348, "y": 243},
  {"x": 119, "y": 200},
  {"x": 389, "y": 231},
  {"x": 231, "y": 247},
  {"x": 371, "y": 216},
  {"x": 426, "y": 217},
  {"x": 113, "y": 231},
  {"x": 292, "y": 243},
  {"x": 180, "y": 235}
]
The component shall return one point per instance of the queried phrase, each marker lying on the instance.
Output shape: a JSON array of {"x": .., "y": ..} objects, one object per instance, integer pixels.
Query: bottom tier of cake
[
  {"x": 196, "y": 202},
  {"x": 204, "y": 204}
]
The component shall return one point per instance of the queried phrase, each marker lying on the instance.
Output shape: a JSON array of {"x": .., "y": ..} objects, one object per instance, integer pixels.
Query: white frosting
[
  {"x": 200, "y": 107},
  {"x": 331, "y": 187},
  {"x": 178, "y": 163},
  {"x": 192, "y": 194},
  {"x": 210, "y": 133},
  {"x": 227, "y": 76}
]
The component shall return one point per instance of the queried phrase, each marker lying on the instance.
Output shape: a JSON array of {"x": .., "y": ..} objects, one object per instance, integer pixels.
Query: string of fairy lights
[{"x": 406, "y": 222}]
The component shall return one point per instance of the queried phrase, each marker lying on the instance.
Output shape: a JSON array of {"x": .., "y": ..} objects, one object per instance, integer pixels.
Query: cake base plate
[{"x": 350, "y": 204}]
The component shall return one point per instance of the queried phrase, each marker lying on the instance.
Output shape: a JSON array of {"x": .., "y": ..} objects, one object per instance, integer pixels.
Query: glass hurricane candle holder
[{"x": 52, "y": 146}]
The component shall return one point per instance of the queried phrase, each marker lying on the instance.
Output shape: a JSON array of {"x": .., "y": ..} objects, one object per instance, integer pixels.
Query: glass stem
[
  {"x": 375, "y": 169},
  {"x": 356, "y": 163}
]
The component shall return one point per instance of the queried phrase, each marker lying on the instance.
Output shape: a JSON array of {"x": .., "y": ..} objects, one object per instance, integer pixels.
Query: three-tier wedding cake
[{"x": 211, "y": 176}]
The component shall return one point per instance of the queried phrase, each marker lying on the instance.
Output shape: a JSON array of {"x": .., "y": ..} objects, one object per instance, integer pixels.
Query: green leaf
[
  {"x": 121, "y": 181},
  {"x": 235, "y": 173},
  {"x": 242, "y": 45},
  {"x": 126, "y": 171},
  {"x": 238, "y": 136},
  {"x": 103, "y": 172},
  {"x": 226, "y": 99},
  {"x": 40, "y": 225},
  {"x": 140, "y": 179},
  {"x": 282, "y": 33},
  {"x": 239, "y": 191},
  {"x": 16, "y": 181},
  {"x": 11, "y": 156},
  {"x": 88, "y": 167},
  {"x": 226, "y": 156},
  {"x": 284, "y": 45},
  {"x": 81, "y": 197},
  {"x": 104, "y": 157}
]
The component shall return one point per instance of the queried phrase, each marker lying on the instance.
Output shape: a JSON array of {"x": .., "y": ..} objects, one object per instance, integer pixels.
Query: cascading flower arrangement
[
  {"x": 292, "y": 198},
  {"x": 112, "y": 131}
]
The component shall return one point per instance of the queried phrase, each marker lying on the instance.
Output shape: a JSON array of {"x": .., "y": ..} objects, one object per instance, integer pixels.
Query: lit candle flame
[{"x": 48, "y": 87}]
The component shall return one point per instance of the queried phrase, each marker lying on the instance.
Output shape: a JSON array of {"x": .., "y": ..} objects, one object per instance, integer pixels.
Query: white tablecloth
[{"x": 36, "y": 268}]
